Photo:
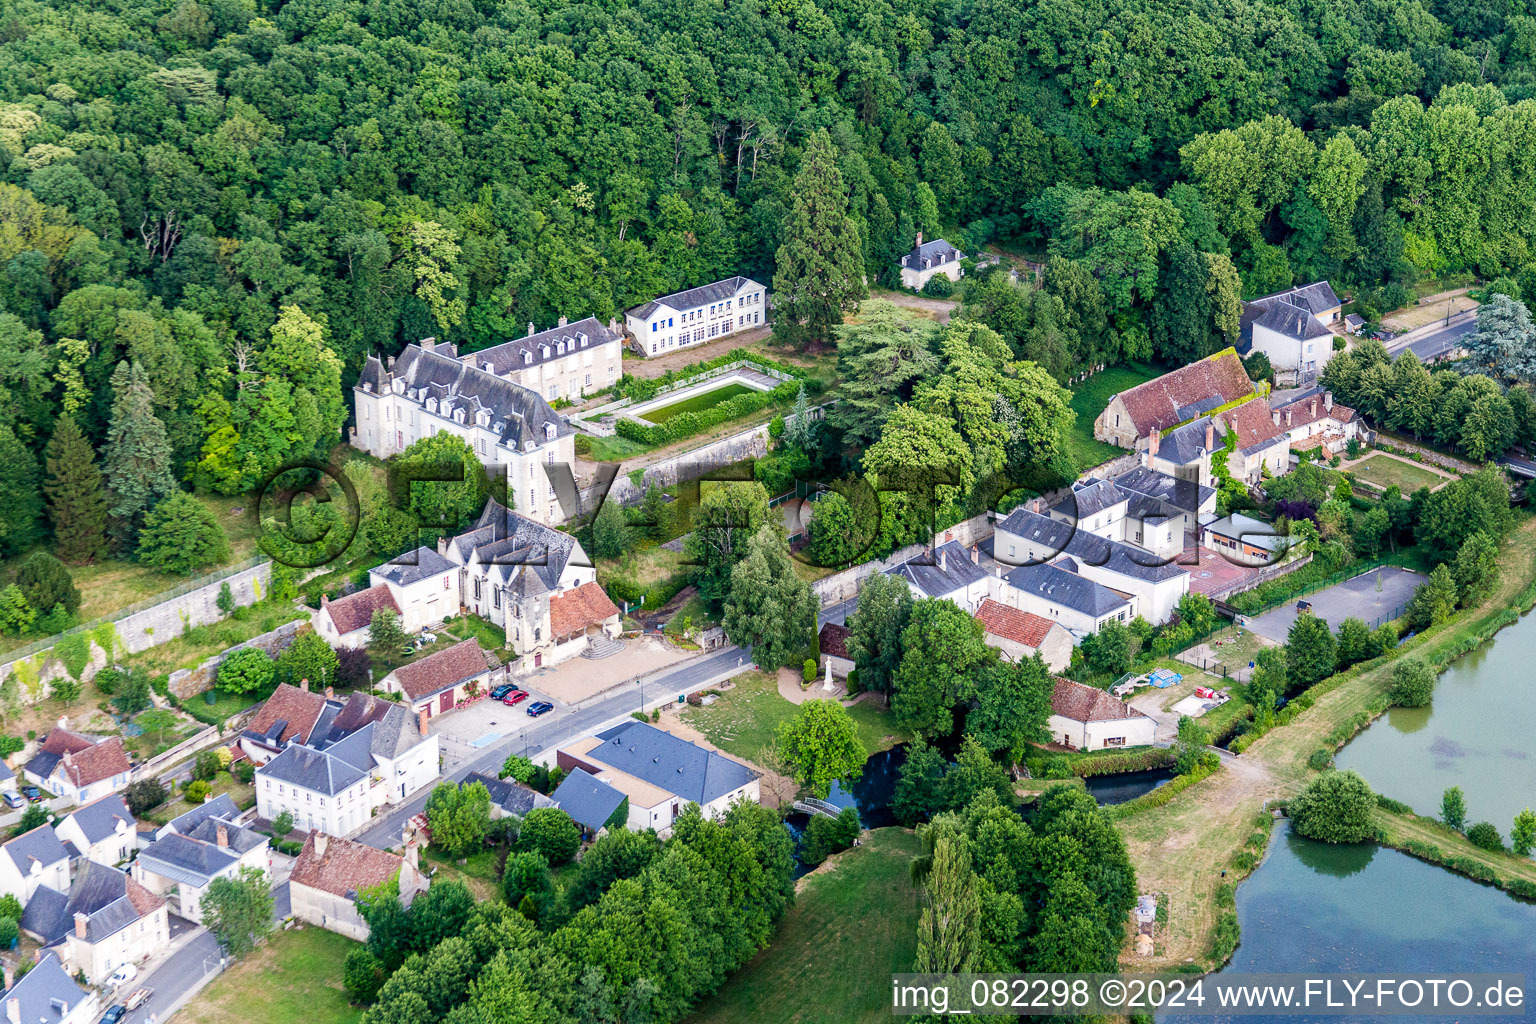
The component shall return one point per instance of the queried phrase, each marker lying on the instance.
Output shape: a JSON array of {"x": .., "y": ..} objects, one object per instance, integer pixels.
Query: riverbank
[
  {"x": 1437, "y": 843},
  {"x": 1182, "y": 847}
]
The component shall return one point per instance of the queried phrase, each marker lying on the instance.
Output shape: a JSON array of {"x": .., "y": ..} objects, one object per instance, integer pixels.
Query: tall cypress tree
[
  {"x": 138, "y": 454},
  {"x": 821, "y": 263},
  {"x": 21, "y": 504},
  {"x": 77, "y": 502}
]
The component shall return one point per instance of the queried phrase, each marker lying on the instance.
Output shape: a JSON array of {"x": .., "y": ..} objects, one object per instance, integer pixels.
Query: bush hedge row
[
  {"x": 1164, "y": 793},
  {"x": 640, "y": 389}
]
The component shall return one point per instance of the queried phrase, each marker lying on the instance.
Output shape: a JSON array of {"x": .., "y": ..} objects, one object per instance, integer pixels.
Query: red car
[{"x": 515, "y": 697}]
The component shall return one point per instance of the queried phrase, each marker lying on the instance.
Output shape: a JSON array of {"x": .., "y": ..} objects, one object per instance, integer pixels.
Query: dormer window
[
  {"x": 431, "y": 405},
  {"x": 581, "y": 338},
  {"x": 549, "y": 431},
  {"x": 560, "y": 348},
  {"x": 528, "y": 446},
  {"x": 458, "y": 415},
  {"x": 545, "y": 350},
  {"x": 527, "y": 358},
  {"x": 399, "y": 387},
  {"x": 488, "y": 367}
]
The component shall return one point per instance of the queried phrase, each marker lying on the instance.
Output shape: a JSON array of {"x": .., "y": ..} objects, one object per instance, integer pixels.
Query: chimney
[
  {"x": 81, "y": 921},
  {"x": 10, "y": 974},
  {"x": 442, "y": 546},
  {"x": 530, "y": 328},
  {"x": 919, "y": 244},
  {"x": 1274, "y": 414},
  {"x": 428, "y": 344},
  {"x": 325, "y": 602},
  {"x": 943, "y": 560},
  {"x": 1210, "y": 435},
  {"x": 613, "y": 324},
  {"x": 12, "y": 1006},
  {"x": 64, "y": 722},
  {"x": 68, "y": 758},
  {"x": 561, "y": 322},
  {"x": 1154, "y": 441},
  {"x": 421, "y": 721},
  {"x": 975, "y": 554},
  {"x": 1287, "y": 417},
  {"x": 389, "y": 363},
  {"x": 321, "y": 841},
  {"x": 1314, "y": 408},
  {"x": 1328, "y": 401},
  {"x": 304, "y": 685},
  {"x": 222, "y": 835},
  {"x": 330, "y": 691}
]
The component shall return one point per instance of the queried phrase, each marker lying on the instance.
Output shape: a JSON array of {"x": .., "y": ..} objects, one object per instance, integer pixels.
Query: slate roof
[
  {"x": 442, "y": 669},
  {"x": 220, "y": 806},
  {"x": 1057, "y": 585},
  {"x": 1186, "y": 444},
  {"x": 241, "y": 840},
  {"x": 512, "y": 797},
  {"x": 508, "y": 357},
  {"x": 296, "y": 711},
  {"x": 188, "y": 860},
  {"x": 41, "y": 844},
  {"x": 413, "y": 567},
  {"x": 510, "y": 546},
  {"x": 1014, "y": 624},
  {"x": 46, "y": 994},
  {"x": 958, "y": 571},
  {"x": 110, "y": 900},
  {"x": 312, "y": 769},
  {"x": 931, "y": 251},
  {"x": 355, "y": 611},
  {"x": 693, "y": 298},
  {"x": 1256, "y": 429},
  {"x": 1187, "y": 392},
  {"x": 669, "y": 763},
  {"x": 392, "y": 728},
  {"x": 1316, "y": 298},
  {"x": 1281, "y": 317},
  {"x": 345, "y": 867},
  {"x": 44, "y": 915},
  {"x": 517, "y": 414},
  {"x": 587, "y": 799},
  {"x": 98, "y": 819},
  {"x": 833, "y": 640},
  {"x": 1184, "y": 495},
  {"x": 6, "y": 774},
  {"x": 578, "y": 608},
  {"x": 1091, "y": 498},
  {"x": 1083, "y": 703},
  {"x": 1065, "y": 538}
]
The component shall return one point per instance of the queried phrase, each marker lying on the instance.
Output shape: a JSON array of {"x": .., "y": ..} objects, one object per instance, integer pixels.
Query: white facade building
[
  {"x": 926, "y": 259},
  {"x": 697, "y": 315},
  {"x": 1294, "y": 329}
]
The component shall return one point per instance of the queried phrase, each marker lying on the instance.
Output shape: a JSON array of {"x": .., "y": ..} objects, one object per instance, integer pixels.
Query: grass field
[
  {"x": 615, "y": 449},
  {"x": 480, "y": 872},
  {"x": 701, "y": 401},
  {"x": 1089, "y": 399},
  {"x": 296, "y": 975},
  {"x": 1384, "y": 471},
  {"x": 853, "y": 924},
  {"x": 746, "y": 718}
]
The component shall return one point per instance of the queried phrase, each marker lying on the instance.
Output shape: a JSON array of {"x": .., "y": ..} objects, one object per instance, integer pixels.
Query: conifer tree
[
  {"x": 21, "y": 503},
  {"x": 821, "y": 262},
  {"x": 77, "y": 502},
  {"x": 137, "y": 461}
]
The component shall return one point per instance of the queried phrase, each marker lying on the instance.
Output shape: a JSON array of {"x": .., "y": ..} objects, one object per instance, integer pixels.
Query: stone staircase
[{"x": 602, "y": 647}]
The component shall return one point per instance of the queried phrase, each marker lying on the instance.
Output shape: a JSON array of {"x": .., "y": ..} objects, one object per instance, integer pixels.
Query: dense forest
[{"x": 242, "y": 197}]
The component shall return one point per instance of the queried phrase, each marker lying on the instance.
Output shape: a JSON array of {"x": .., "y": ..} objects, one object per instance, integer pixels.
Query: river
[{"x": 1476, "y": 734}]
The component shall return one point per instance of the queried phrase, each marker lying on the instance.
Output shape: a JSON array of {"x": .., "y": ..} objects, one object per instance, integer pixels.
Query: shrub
[
  {"x": 550, "y": 831},
  {"x": 206, "y": 767},
  {"x": 582, "y": 444},
  {"x": 1322, "y": 758},
  {"x": 825, "y": 836},
  {"x": 1485, "y": 836},
  {"x": 109, "y": 679},
  {"x": 10, "y": 931},
  {"x": 143, "y": 795},
  {"x": 939, "y": 287},
  {"x": 282, "y": 824},
  {"x": 1413, "y": 683},
  {"x": 244, "y": 772},
  {"x": 808, "y": 670},
  {"x": 65, "y": 691},
  {"x": 196, "y": 791},
  {"x": 46, "y": 583},
  {"x": 687, "y": 424},
  {"x": 10, "y": 907},
  {"x": 1336, "y": 808},
  {"x": 11, "y": 745},
  {"x": 362, "y": 975}
]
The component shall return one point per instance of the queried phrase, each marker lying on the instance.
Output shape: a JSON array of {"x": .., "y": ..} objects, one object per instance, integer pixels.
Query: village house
[
  {"x": 1312, "y": 420},
  {"x": 509, "y": 799},
  {"x": 696, "y": 315},
  {"x": 926, "y": 259},
  {"x": 1027, "y": 538},
  {"x": 48, "y": 995},
  {"x": 1018, "y": 634},
  {"x": 289, "y": 715},
  {"x": 102, "y": 830},
  {"x": 1245, "y": 540},
  {"x": 31, "y": 861},
  {"x": 949, "y": 571},
  {"x": 7, "y": 778},
  {"x": 1105, "y": 510},
  {"x": 106, "y": 920},
  {"x": 534, "y": 582},
  {"x": 659, "y": 773},
  {"x": 832, "y": 642},
  {"x": 344, "y": 622},
  {"x": 363, "y": 754},
  {"x": 1087, "y": 718},
  {"x": 1179, "y": 396},
  {"x": 423, "y": 585},
  {"x": 1184, "y": 452},
  {"x": 1055, "y": 593},
  {"x": 78, "y": 767},
  {"x": 441, "y": 680},
  {"x": 1184, "y": 504},
  {"x": 185, "y": 860},
  {"x": 590, "y": 802},
  {"x": 426, "y": 390},
  {"x": 1262, "y": 445},
  {"x": 1294, "y": 329},
  {"x": 221, "y": 806},
  {"x": 330, "y": 872}
]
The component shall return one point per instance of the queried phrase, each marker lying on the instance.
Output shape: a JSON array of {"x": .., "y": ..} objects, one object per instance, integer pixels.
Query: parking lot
[
  {"x": 1377, "y": 596},
  {"x": 466, "y": 732}
]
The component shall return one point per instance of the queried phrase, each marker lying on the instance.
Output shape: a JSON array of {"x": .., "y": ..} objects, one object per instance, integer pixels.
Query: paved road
[
  {"x": 1433, "y": 346},
  {"x": 837, "y": 613},
  {"x": 564, "y": 724}
]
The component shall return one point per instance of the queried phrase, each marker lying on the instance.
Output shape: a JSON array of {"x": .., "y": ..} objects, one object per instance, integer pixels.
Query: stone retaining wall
[{"x": 189, "y": 682}]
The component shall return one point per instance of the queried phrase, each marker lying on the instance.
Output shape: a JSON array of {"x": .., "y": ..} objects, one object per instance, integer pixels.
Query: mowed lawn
[
  {"x": 699, "y": 402},
  {"x": 746, "y": 718},
  {"x": 853, "y": 925},
  {"x": 1384, "y": 471},
  {"x": 1089, "y": 399},
  {"x": 295, "y": 976}
]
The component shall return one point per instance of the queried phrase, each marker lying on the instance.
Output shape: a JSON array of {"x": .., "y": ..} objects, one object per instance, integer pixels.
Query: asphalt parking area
[{"x": 1376, "y": 596}]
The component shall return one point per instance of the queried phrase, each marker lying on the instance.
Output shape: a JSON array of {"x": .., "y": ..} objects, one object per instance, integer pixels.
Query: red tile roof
[
  {"x": 144, "y": 901},
  {"x": 345, "y": 868},
  {"x": 1088, "y": 704},
  {"x": 575, "y": 610},
  {"x": 834, "y": 640},
  {"x": 1310, "y": 410},
  {"x": 437, "y": 672},
  {"x": 355, "y": 611},
  {"x": 95, "y": 762},
  {"x": 1215, "y": 380},
  {"x": 1022, "y": 627},
  {"x": 299, "y": 708},
  {"x": 62, "y": 741},
  {"x": 1254, "y": 423}
]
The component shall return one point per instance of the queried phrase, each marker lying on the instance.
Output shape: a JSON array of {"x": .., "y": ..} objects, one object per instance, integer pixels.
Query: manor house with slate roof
[
  {"x": 493, "y": 400},
  {"x": 697, "y": 315},
  {"x": 1294, "y": 328}
]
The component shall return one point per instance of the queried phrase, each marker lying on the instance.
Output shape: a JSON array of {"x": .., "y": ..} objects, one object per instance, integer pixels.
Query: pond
[
  {"x": 1123, "y": 786},
  {"x": 1312, "y": 906},
  {"x": 1476, "y": 735},
  {"x": 870, "y": 796}
]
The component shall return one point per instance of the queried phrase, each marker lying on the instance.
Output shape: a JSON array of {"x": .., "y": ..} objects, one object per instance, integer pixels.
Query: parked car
[
  {"x": 122, "y": 976},
  {"x": 114, "y": 1014},
  {"x": 140, "y": 995},
  {"x": 14, "y": 799},
  {"x": 539, "y": 707},
  {"x": 502, "y": 690},
  {"x": 514, "y": 696},
  {"x": 33, "y": 794}
]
